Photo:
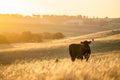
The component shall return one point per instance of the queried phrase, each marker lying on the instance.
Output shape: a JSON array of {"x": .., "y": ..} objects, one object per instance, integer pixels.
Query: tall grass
[
  {"x": 99, "y": 67},
  {"x": 104, "y": 63}
]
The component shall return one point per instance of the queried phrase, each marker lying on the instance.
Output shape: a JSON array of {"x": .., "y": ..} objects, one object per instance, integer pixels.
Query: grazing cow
[{"x": 80, "y": 51}]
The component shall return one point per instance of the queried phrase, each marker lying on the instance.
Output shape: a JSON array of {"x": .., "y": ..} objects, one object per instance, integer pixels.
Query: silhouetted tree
[
  {"x": 37, "y": 38},
  {"x": 26, "y": 36},
  {"x": 3, "y": 39},
  {"x": 47, "y": 35},
  {"x": 58, "y": 35}
]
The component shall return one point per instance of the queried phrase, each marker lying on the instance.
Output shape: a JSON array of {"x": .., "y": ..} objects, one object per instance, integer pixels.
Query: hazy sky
[{"x": 100, "y": 8}]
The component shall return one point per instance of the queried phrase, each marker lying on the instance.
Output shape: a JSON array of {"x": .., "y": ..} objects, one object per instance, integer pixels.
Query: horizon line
[{"x": 56, "y": 15}]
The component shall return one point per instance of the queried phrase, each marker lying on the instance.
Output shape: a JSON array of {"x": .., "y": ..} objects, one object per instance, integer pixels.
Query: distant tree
[
  {"x": 106, "y": 17},
  {"x": 58, "y": 35},
  {"x": 84, "y": 17},
  {"x": 47, "y": 35},
  {"x": 26, "y": 36},
  {"x": 37, "y": 38},
  {"x": 3, "y": 40},
  {"x": 79, "y": 16},
  {"x": 12, "y": 37}
]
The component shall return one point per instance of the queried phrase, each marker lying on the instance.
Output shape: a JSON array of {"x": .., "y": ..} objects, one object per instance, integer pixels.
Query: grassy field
[
  {"x": 37, "y": 61},
  {"x": 104, "y": 66}
]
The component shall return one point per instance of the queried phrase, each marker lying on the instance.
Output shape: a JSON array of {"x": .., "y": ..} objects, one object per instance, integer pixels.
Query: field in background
[
  {"x": 68, "y": 25},
  {"x": 37, "y": 61}
]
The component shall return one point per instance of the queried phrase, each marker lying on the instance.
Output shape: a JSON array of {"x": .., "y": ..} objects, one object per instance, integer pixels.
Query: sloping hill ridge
[
  {"x": 107, "y": 41},
  {"x": 104, "y": 35},
  {"x": 101, "y": 34}
]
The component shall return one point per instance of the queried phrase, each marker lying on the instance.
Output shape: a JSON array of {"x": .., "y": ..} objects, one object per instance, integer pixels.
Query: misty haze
[{"x": 59, "y": 40}]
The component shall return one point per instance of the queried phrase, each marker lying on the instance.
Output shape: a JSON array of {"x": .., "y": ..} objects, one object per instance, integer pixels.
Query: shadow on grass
[
  {"x": 41, "y": 54},
  {"x": 105, "y": 46},
  {"x": 55, "y": 52}
]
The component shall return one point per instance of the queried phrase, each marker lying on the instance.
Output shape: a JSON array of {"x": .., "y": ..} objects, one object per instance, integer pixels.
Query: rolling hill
[
  {"x": 103, "y": 42},
  {"x": 37, "y": 61}
]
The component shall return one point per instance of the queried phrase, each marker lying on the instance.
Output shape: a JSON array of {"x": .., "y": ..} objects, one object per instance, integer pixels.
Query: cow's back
[{"x": 75, "y": 49}]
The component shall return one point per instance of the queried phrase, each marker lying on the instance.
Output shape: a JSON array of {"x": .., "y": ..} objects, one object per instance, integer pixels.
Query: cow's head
[{"x": 86, "y": 42}]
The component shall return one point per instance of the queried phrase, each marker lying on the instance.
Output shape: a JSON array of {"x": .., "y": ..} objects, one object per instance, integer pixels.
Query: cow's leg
[
  {"x": 87, "y": 56},
  {"x": 73, "y": 58},
  {"x": 81, "y": 58},
  {"x": 72, "y": 55},
  {"x": 78, "y": 57}
]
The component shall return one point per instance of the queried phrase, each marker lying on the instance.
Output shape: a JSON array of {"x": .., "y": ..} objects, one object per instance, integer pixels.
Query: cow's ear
[{"x": 89, "y": 42}]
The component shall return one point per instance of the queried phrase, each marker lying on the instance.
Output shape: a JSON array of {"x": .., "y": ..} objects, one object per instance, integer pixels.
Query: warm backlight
[{"x": 100, "y": 8}]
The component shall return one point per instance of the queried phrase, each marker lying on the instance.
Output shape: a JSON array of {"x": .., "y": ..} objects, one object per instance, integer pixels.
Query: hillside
[
  {"x": 36, "y": 61},
  {"x": 104, "y": 42},
  {"x": 70, "y": 26}
]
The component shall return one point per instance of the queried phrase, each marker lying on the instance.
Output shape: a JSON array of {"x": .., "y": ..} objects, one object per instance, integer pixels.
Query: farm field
[
  {"x": 100, "y": 67},
  {"x": 59, "y": 40},
  {"x": 37, "y": 61}
]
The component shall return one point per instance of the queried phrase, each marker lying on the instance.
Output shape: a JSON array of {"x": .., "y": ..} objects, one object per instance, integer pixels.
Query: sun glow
[{"x": 100, "y": 8}]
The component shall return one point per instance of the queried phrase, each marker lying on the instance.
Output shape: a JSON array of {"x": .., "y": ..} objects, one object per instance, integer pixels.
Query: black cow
[{"x": 80, "y": 51}]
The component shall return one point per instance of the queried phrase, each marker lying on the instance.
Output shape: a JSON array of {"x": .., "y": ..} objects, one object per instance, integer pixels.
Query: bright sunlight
[
  {"x": 100, "y": 8},
  {"x": 59, "y": 40}
]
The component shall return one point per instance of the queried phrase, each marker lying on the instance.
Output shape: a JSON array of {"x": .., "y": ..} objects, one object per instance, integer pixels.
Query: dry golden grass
[
  {"x": 104, "y": 63},
  {"x": 100, "y": 67}
]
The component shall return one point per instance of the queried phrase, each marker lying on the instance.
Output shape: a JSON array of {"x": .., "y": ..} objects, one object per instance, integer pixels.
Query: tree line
[
  {"x": 17, "y": 18},
  {"x": 29, "y": 37}
]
